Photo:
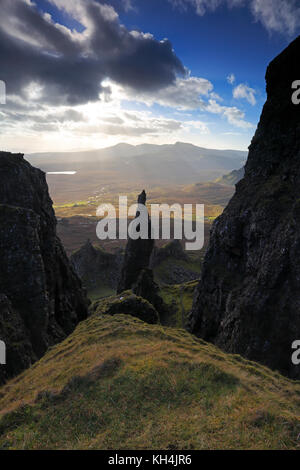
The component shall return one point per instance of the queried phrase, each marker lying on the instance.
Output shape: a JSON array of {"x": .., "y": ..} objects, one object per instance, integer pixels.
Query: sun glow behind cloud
[{"x": 92, "y": 87}]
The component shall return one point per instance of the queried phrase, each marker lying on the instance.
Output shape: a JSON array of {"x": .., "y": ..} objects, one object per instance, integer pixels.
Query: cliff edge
[
  {"x": 248, "y": 299},
  {"x": 41, "y": 299}
]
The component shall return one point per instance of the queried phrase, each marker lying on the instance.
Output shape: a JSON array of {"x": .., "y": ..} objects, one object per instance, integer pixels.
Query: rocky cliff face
[
  {"x": 41, "y": 299},
  {"x": 248, "y": 300},
  {"x": 95, "y": 266}
]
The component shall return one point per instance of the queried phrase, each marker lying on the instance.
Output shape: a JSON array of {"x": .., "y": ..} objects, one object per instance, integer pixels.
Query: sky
[{"x": 88, "y": 74}]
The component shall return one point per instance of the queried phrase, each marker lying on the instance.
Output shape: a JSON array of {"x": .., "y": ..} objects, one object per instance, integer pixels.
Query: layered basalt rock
[
  {"x": 41, "y": 297},
  {"x": 248, "y": 299}
]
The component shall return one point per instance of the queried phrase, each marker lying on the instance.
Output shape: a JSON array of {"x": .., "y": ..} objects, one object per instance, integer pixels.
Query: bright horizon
[{"x": 133, "y": 145}]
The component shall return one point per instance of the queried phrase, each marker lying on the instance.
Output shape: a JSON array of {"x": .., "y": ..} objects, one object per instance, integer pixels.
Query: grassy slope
[
  {"x": 118, "y": 383},
  {"x": 180, "y": 299}
]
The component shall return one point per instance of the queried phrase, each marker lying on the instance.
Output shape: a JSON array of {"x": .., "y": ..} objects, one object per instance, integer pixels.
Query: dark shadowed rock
[
  {"x": 13, "y": 332},
  {"x": 248, "y": 299},
  {"x": 172, "y": 249},
  {"x": 137, "y": 255},
  {"x": 95, "y": 266},
  {"x": 41, "y": 299},
  {"x": 147, "y": 288},
  {"x": 129, "y": 304}
]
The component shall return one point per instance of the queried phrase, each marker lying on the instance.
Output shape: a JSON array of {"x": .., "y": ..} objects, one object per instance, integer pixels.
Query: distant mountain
[
  {"x": 180, "y": 163},
  {"x": 232, "y": 178}
]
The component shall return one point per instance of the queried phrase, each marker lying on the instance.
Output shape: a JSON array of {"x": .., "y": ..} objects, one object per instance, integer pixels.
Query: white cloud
[
  {"x": 41, "y": 125},
  {"x": 231, "y": 79},
  {"x": 278, "y": 15},
  {"x": 192, "y": 94},
  {"x": 199, "y": 126},
  {"x": 216, "y": 97},
  {"x": 87, "y": 126},
  {"x": 202, "y": 6},
  {"x": 243, "y": 91},
  {"x": 282, "y": 16},
  {"x": 184, "y": 94},
  {"x": 234, "y": 116}
]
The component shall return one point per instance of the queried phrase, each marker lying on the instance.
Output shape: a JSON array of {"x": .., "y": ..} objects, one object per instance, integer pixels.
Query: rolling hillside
[
  {"x": 126, "y": 167},
  {"x": 232, "y": 178},
  {"x": 119, "y": 383}
]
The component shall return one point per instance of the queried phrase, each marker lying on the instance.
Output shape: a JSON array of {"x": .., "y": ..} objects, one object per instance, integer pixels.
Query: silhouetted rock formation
[
  {"x": 41, "y": 300},
  {"x": 147, "y": 288},
  {"x": 248, "y": 300},
  {"x": 172, "y": 249},
  {"x": 137, "y": 255},
  {"x": 95, "y": 266}
]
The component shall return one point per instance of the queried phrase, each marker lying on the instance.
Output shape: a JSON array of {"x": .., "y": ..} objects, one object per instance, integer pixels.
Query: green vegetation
[
  {"x": 214, "y": 196},
  {"x": 179, "y": 299},
  {"x": 129, "y": 304},
  {"x": 101, "y": 292},
  {"x": 119, "y": 383}
]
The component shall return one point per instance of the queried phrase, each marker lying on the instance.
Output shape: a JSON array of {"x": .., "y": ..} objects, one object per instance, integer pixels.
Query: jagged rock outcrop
[
  {"x": 248, "y": 300},
  {"x": 172, "y": 265},
  {"x": 137, "y": 255},
  {"x": 94, "y": 266},
  {"x": 147, "y": 288},
  {"x": 172, "y": 249},
  {"x": 41, "y": 299}
]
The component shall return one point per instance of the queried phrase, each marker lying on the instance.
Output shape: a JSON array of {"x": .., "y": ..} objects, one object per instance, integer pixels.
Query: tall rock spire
[{"x": 137, "y": 255}]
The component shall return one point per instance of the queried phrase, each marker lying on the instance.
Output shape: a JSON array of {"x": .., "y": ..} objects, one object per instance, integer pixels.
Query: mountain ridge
[
  {"x": 129, "y": 168},
  {"x": 126, "y": 146}
]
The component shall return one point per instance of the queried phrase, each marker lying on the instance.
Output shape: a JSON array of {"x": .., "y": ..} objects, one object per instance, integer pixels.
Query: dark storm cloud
[
  {"x": 71, "y": 66},
  {"x": 67, "y": 80},
  {"x": 32, "y": 24}
]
